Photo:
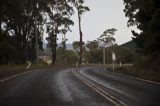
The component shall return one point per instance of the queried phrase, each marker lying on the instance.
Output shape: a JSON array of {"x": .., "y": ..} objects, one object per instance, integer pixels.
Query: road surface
[{"x": 77, "y": 87}]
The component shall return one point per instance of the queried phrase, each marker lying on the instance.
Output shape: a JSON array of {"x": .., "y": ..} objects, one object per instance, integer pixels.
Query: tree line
[
  {"x": 145, "y": 15},
  {"x": 93, "y": 51},
  {"x": 23, "y": 22}
]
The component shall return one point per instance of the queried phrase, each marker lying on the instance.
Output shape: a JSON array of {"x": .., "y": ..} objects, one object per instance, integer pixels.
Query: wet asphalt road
[{"x": 60, "y": 87}]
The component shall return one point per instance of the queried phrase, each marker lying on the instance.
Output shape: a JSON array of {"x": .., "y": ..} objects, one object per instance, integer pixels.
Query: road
[{"x": 77, "y": 87}]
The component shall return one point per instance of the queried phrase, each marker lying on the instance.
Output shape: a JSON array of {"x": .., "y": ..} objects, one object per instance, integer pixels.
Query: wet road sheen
[
  {"x": 50, "y": 87},
  {"x": 60, "y": 87}
]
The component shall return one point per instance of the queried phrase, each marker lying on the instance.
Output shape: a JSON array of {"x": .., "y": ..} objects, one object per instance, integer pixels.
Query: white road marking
[
  {"x": 13, "y": 76},
  {"x": 99, "y": 90},
  {"x": 140, "y": 79}
]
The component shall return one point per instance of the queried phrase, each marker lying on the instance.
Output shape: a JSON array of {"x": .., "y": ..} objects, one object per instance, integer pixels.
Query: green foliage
[
  {"x": 152, "y": 41},
  {"x": 20, "y": 20},
  {"x": 76, "y": 45},
  {"x": 145, "y": 14},
  {"x": 91, "y": 45},
  {"x": 107, "y": 38},
  {"x": 60, "y": 55},
  {"x": 94, "y": 54},
  {"x": 125, "y": 55},
  {"x": 70, "y": 56},
  {"x": 8, "y": 50},
  {"x": 94, "y": 49},
  {"x": 59, "y": 23},
  {"x": 81, "y": 9},
  {"x": 8, "y": 53}
]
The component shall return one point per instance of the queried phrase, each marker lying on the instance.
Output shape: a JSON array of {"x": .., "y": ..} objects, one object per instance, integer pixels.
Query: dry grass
[
  {"x": 144, "y": 73},
  {"x": 9, "y": 70},
  {"x": 127, "y": 69}
]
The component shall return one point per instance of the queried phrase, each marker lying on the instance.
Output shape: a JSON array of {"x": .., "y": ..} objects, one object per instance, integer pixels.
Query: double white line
[{"x": 99, "y": 90}]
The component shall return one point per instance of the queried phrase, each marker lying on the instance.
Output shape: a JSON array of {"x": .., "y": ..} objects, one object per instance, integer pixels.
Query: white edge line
[
  {"x": 14, "y": 76},
  {"x": 113, "y": 97},
  {"x": 140, "y": 79},
  {"x": 100, "y": 91}
]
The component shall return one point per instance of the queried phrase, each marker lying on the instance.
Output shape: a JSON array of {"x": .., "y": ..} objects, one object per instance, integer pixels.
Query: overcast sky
[{"x": 103, "y": 14}]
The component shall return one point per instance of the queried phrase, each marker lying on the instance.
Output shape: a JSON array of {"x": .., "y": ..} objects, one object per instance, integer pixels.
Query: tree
[
  {"x": 76, "y": 47},
  {"x": 59, "y": 23},
  {"x": 64, "y": 40},
  {"x": 60, "y": 57},
  {"x": 80, "y": 9},
  {"x": 107, "y": 38},
  {"x": 64, "y": 30},
  {"x": 22, "y": 20},
  {"x": 92, "y": 51},
  {"x": 145, "y": 15},
  {"x": 95, "y": 55},
  {"x": 17, "y": 18},
  {"x": 71, "y": 57}
]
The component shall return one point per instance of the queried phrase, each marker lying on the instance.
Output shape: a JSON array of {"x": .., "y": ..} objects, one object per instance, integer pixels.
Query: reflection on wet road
[{"x": 77, "y": 87}]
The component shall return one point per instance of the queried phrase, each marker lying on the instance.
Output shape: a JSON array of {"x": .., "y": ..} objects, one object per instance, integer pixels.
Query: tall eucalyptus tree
[
  {"x": 59, "y": 23},
  {"x": 107, "y": 40},
  {"x": 79, "y": 5}
]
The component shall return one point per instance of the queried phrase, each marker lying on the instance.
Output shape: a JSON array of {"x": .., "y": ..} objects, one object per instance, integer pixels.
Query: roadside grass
[
  {"x": 12, "y": 69},
  {"x": 131, "y": 70},
  {"x": 138, "y": 72},
  {"x": 126, "y": 69}
]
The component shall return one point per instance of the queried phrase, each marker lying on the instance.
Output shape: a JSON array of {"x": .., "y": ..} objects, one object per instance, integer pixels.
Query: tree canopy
[
  {"x": 81, "y": 9},
  {"x": 145, "y": 14},
  {"x": 22, "y": 20},
  {"x": 107, "y": 38}
]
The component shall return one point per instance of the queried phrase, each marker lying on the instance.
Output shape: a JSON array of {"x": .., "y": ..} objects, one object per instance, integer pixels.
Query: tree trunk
[
  {"x": 54, "y": 42},
  {"x": 81, "y": 36},
  {"x": 64, "y": 50},
  {"x": 0, "y": 27},
  {"x": 24, "y": 48},
  {"x": 54, "y": 50},
  {"x": 53, "y": 56}
]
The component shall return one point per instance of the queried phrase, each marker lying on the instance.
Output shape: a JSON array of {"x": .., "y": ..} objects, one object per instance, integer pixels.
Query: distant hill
[
  {"x": 45, "y": 46},
  {"x": 129, "y": 45},
  {"x": 69, "y": 46}
]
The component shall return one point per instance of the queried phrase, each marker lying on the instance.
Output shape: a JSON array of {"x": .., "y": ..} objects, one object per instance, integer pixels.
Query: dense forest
[
  {"x": 23, "y": 23},
  {"x": 145, "y": 15}
]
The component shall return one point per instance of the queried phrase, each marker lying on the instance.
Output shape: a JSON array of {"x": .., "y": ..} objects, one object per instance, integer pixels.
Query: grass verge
[
  {"x": 9, "y": 70},
  {"x": 144, "y": 73}
]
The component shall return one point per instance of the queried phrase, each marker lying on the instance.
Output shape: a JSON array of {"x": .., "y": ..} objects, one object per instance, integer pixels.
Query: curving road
[{"x": 77, "y": 87}]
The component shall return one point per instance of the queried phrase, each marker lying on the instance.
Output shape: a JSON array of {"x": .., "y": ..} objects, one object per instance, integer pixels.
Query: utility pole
[
  {"x": 104, "y": 56},
  {"x": 104, "y": 52}
]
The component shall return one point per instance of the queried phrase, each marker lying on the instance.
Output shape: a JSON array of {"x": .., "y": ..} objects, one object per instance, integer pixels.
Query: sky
[{"x": 103, "y": 14}]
